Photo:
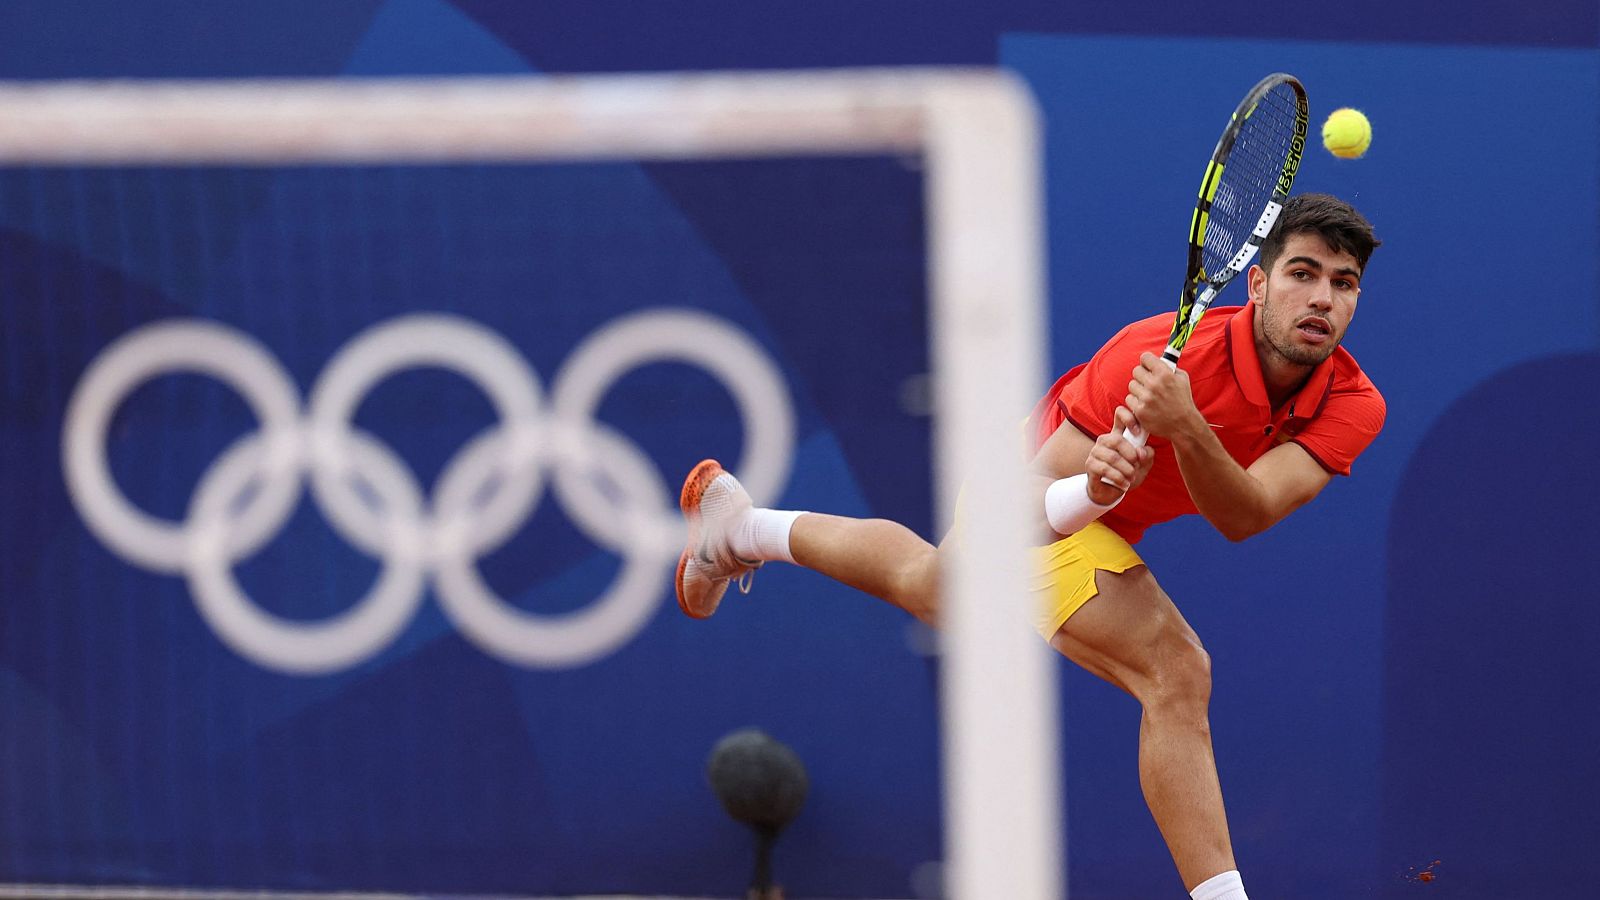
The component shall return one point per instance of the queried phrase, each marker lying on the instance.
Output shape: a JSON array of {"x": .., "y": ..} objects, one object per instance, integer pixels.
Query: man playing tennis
[{"x": 1266, "y": 409}]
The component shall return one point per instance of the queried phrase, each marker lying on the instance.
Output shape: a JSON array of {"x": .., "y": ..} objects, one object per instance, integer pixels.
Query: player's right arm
[{"x": 1108, "y": 458}]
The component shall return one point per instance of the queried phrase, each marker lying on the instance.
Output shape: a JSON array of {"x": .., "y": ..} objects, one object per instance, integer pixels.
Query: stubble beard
[{"x": 1284, "y": 345}]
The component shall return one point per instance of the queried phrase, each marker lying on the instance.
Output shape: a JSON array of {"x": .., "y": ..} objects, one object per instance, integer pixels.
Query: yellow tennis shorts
[{"x": 1063, "y": 573}]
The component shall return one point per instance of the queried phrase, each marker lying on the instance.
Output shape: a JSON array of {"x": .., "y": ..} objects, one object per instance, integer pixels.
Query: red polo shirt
[{"x": 1334, "y": 416}]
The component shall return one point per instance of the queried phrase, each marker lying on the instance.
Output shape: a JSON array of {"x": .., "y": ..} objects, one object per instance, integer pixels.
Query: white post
[{"x": 1003, "y": 804}]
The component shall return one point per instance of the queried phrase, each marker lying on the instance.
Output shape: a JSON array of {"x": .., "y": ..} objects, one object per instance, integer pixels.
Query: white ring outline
[
  {"x": 230, "y": 356},
  {"x": 329, "y": 644},
  {"x": 448, "y": 535},
  {"x": 452, "y": 343}
]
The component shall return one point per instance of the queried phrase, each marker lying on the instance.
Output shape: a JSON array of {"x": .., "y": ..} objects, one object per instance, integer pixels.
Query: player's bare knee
[
  {"x": 1178, "y": 677},
  {"x": 914, "y": 585}
]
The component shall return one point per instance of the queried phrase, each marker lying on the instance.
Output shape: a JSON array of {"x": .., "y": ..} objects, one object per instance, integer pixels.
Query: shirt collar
[{"x": 1247, "y": 369}]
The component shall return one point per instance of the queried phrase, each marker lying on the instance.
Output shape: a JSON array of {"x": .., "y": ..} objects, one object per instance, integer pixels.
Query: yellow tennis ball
[{"x": 1347, "y": 134}]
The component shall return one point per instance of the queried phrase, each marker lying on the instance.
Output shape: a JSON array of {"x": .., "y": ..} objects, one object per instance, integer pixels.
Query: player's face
[{"x": 1306, "y": 301}]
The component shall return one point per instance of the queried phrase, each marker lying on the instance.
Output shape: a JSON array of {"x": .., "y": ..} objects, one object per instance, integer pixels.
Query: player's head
[
  {"x": 1341, "y": 227},
  {"x": 1309, "y": 278}
]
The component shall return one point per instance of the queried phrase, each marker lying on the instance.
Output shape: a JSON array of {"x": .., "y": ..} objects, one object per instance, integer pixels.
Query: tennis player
[{"x": 1265, "y": 411}]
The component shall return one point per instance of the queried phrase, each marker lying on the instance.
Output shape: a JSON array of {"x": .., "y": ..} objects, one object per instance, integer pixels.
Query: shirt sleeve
[
  {"x": 1344, "y": 428},
  {"x": 1090, "y": 400}
]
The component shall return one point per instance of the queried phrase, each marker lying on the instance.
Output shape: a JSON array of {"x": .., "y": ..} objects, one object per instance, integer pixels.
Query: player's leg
[
  {"x": 877, "y": 556},
  {"x": 729, "y": 540},
  {"x": 1132, "y": 635}
]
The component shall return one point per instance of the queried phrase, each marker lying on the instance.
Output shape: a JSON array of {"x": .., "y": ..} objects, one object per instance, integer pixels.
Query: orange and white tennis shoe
[{"x": 713, "y": 501}]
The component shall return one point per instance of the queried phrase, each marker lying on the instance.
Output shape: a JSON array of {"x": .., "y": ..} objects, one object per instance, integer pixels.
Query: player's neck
[{"x": 1282, "y": 378}]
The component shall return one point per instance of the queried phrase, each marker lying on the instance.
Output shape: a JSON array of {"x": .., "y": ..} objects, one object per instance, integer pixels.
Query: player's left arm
[
  {"x": 1238, "y": 502},
  {"x": 1241, "y": 502}
]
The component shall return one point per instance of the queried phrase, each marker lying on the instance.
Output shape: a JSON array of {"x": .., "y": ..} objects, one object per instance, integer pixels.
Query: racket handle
[
  {"x": 1170, "y": 357},
  {"x": 1137, "y": 440}
]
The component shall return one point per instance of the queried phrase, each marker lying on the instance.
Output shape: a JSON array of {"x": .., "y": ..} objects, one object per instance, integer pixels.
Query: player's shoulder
[
  {"x": 1217, "y": 323},
  {"x": 1158, "y": 328},
  {"x": 1349, "y": 378},
  {"x": 1204, "y": 349},
  {"x": 1351, "y": 387},
  {"x": 1140, "y": 333},
  {"x": 1219, "y": 316}
]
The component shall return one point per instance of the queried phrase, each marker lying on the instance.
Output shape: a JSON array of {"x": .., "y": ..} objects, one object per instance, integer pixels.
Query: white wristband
[{"x": 1067, "y": 505}]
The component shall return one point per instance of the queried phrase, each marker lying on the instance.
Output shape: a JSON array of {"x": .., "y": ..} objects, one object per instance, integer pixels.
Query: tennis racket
[{"x": 1244, "y": 189}]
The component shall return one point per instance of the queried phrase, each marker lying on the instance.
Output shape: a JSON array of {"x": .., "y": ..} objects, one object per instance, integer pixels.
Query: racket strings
[{"x": 1248, "y": 181}]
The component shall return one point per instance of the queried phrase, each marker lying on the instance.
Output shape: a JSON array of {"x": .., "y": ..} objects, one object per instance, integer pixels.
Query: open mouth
[{"x": 1314, "y": 329}]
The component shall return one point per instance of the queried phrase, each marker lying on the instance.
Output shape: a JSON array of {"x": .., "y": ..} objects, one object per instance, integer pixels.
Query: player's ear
[{"x": 1256, "y": 281}]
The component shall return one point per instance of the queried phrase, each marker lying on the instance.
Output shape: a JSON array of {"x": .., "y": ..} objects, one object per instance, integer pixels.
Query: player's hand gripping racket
[{"x": 1243, "y": 191}]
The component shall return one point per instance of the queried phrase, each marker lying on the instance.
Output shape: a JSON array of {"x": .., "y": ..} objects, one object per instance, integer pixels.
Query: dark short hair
[{"x": 1344, "y": 229}]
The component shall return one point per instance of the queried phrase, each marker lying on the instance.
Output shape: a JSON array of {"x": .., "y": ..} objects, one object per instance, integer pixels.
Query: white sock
[
  {"x": 1227, "y": 886},
  {"x": 764, "y": 535}
]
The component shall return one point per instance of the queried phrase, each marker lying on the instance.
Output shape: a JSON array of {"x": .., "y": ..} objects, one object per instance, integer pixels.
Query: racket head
[{"x": 1246, "y": 183}]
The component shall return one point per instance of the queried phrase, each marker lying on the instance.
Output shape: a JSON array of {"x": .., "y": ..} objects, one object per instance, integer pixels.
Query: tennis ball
[{"x": 1347, "y": 134}]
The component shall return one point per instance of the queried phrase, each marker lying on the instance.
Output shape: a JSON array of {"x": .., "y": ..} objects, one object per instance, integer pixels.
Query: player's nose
[{"x": 1321, "y": 296}]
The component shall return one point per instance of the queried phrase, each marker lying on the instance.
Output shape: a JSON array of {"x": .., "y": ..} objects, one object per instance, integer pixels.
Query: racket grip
[
  {"x": 1170, "y": 357},
  {"x": 1138, "y": 442}
]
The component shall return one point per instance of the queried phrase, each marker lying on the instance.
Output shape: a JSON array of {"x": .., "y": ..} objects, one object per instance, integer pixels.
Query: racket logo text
[{"x": 1297, "y": 150}]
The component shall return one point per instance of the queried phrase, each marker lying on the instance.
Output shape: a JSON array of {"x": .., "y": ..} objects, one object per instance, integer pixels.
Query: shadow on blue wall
[{"x": 1491, "y": 671}]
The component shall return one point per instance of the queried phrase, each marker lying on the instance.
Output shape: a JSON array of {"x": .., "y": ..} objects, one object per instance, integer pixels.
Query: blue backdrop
[{"x": 1401, "y": 668}]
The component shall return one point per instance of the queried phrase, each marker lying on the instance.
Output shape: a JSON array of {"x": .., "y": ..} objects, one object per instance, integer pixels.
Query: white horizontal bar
[{"x": 523, "y": 118}]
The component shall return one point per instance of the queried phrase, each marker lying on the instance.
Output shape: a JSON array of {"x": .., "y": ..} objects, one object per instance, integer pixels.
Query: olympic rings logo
[{"x": 485, "y": 493}]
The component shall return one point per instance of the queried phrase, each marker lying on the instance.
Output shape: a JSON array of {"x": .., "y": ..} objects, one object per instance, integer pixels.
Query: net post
[{"x": 1003, "y": 810}]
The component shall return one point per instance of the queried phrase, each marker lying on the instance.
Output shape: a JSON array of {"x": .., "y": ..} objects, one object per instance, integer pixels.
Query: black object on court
[{"x": 762, "y": 783}]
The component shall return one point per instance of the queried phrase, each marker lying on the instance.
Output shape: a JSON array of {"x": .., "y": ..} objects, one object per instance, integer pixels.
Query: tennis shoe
[{"x": 713, "y": 501}]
